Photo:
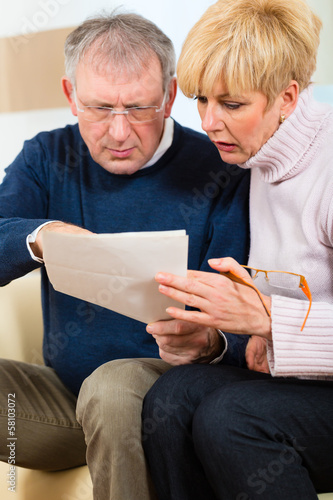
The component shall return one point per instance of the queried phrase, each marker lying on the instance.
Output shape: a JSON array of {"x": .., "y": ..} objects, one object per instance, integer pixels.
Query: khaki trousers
[{"x": 105, "y": 433}]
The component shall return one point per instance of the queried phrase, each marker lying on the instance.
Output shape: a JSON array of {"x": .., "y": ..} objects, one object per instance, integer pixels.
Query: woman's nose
[{"x": 212, "y": 119}]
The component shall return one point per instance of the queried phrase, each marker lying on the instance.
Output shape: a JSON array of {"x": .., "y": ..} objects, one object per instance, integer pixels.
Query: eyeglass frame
[
  {"x": 125, "y": 112},
  {"x": 303, "y": 285}
]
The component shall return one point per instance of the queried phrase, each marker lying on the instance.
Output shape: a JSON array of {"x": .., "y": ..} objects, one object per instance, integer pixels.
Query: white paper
[{"x": 117, "y": 271}]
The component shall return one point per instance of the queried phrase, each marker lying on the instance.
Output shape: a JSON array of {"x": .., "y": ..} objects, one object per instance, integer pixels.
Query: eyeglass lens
[
  {"x": 133, "y": 115},
  {"x": 279, "y": 279}
]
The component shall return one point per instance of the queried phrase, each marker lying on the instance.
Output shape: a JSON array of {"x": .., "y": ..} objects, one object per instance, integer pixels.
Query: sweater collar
[{"x": 280, "y": 157}]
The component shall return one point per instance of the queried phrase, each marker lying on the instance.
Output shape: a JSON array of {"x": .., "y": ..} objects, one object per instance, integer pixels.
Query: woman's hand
[
  {"x": 256, "y": 354},
  {"x": 222, "y": 303}
]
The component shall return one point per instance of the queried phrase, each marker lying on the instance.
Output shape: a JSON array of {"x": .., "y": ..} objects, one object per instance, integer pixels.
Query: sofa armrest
[{"x": 21, "y": 326}]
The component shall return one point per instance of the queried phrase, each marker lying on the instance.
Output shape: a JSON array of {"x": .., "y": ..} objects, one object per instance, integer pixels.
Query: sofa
[
  {"x": 21, "y": 333},
  {"x": 21, "y": 339}
]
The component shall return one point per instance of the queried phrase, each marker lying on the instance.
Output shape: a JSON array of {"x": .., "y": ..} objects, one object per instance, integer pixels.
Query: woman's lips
[{"x": 225, "y": 146}]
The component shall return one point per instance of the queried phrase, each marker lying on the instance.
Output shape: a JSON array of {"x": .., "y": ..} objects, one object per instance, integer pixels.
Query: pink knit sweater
[{"x": 291, "y": 215}]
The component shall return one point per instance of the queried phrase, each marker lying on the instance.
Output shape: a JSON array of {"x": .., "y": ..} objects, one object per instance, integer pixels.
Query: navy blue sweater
[{"x": 55, "y": 178}]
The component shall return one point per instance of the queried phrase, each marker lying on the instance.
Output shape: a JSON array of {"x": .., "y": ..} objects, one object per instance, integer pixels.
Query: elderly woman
[{"x": 265, "y": 432}]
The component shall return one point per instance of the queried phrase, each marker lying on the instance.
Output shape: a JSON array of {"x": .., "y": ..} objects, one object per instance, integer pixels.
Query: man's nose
[{"x": 119, "y": 127}]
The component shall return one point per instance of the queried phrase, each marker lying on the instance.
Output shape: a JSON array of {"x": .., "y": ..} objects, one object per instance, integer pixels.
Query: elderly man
[{"x": 126, "y": 166}]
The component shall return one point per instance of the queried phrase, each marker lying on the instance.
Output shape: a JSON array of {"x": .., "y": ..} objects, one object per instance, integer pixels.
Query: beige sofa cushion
[
  {"x": 21, "y": 329},
  {"x": 21, "y": 333}
]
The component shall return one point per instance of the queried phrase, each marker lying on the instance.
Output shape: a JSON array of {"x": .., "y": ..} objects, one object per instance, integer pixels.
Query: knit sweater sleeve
[
  {"x": 295, "y": 353},
  {"x": 23, "y": 207},
  {"x": 307, "y": 353}
]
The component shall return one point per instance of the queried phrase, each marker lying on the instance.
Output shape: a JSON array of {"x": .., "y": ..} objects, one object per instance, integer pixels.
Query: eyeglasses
[
  {"x": 277, "y": 279},
  {"x": 139, "y": 114}
]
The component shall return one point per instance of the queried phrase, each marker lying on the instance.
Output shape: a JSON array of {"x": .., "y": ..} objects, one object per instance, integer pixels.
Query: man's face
[{"x": 117, "y": 145}]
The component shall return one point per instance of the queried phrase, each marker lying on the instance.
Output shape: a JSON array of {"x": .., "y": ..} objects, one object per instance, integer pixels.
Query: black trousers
[{"x": 233, "y": 434}]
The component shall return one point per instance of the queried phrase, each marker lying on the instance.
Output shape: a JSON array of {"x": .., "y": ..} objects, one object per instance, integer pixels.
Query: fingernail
[
  {"x": 150, "y": 329},
  {"x": 214, "y": 262},
  {"x": 160, "y": 277}
]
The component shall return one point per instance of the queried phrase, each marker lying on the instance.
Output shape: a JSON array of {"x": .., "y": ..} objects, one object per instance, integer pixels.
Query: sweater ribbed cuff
[{"x": 296, "y": 353}]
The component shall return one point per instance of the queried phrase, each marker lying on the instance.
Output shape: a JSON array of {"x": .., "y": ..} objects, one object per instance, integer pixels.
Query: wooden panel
[{"x": 32, "y": 67}]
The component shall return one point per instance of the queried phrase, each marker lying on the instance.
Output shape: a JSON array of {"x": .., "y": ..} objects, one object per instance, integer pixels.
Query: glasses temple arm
[{"x": 306, "y": 290}]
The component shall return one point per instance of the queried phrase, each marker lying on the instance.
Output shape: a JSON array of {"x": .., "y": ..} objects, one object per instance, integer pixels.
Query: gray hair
[{"x": 126, "y": 40}]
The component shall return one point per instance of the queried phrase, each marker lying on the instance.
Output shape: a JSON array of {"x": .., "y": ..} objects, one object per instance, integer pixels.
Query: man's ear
[
  {"x": 171, "y": 97},
  {"x": 68, "y": 90},
  {"x": 289, "y": 98}
]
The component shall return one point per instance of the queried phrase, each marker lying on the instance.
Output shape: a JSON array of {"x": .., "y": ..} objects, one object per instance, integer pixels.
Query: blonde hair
[{"x": 251, "y": 45}]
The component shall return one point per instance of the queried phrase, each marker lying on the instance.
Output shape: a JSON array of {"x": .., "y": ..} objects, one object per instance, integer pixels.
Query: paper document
[{"x": 117, "y": 271}]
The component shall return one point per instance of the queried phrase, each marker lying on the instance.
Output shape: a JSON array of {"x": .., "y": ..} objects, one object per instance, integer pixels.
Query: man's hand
[
  {"x": 182, "y": 342},
  {"x": 256, "y": 354},
  {"x": 58, "y": 227}
]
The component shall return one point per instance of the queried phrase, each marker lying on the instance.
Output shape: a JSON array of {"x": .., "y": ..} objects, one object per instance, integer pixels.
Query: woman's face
[{"x": 238, "y": 125}]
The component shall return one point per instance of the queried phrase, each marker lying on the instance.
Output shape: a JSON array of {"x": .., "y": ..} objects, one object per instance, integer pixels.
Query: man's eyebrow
[{"x": 96, "y": 102}]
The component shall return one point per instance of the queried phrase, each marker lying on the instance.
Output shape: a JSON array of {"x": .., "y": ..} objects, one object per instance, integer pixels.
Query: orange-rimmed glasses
[{"x": 278, "y": 279}]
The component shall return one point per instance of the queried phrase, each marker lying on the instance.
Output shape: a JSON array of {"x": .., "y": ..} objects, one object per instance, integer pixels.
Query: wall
[
  {"x": 323, "y": 76},
  {"x": 28, "y": 103}
]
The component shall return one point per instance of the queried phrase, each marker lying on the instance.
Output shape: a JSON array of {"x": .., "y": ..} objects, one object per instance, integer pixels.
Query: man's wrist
[
  {"x": 224, "y": 348},
  {"x": 31, "y": 240}
]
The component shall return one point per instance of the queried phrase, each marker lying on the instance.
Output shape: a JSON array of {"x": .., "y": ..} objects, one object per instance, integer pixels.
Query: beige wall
[{"x": 32, "y": 68}]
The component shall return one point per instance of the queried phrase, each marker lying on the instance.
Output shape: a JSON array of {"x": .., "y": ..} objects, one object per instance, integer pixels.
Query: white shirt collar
[{"x": 164, "y": 144}]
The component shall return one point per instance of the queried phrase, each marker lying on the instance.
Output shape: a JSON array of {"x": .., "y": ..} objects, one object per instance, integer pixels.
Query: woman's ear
[
  {"x": 68, "y": 90},
  {"x": 289, "y": 98}
]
